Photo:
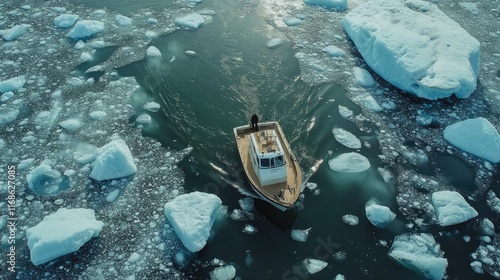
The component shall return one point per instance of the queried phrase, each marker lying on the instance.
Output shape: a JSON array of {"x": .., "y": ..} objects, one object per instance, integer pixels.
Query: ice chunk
[
  {"x": 379, "y": 215},
  {"x": 12, "y": 84},
  {"x": 65, "y": 20},
  {"x": 226, "y": 272},
  {"x": 332, "y": 4},
  {"x": 15, "y": 32},
  {"x": 123, "y": 20},
  {"x": 85, "y": 28},
  {"x": 349, "y": 162},
  {"x": 134, "y": 257},
  {"x": 61, "y": 233},
  {"x": 192, "y": 21},
  {"x": 346, "y": 138},
  {"x": 293, "y": 21},
  {"x": 151, "y": 106},
  {"x": 451, "y": 208},
  {"x": 476, "y": 136},
  {"x": 71, "y": 124},
  {"x": 421, "y": 253},
  {"x": 274, "y": 42},
  {"x": 25, "y": 163},
  {"x": 97, "y": 115},
  {"x": 112, "y": 195},
  {"x": 477, "y": 267},
  {"x": 250, "y": 229},
  {"x": 143, "y": 119},
  {"x": 113, "y": 160},
  {"x": 246, "y": 203},
  {"x": 344, "y": 112},
  {"x": 334, "y": 51},
  {"x": 190, "y": 53},
  {"x": 350, "y": 219},
  {"x": 44, "y": 180},
  {"x": 192, "y": 216},
  {"x": 153, "y": 52},
  {"x": 8, "y": 115},
  {"x": 372, "y": 104},
  {"x": 487, "y": 227},
  {"x": 313, "y": 265},
  {"x": 300, "y": 234},
  {"x": 415, "y": 47},
  {"x": 363, "y": 77}
]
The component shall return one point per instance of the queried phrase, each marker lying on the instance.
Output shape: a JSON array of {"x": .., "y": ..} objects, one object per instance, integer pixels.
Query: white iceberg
[
  {"x": 379, "y": 215},
  {"x": 421, "y": 253},
  {"x": 300, "y": 234},
  {"x": 65, "y": 20},
  {"x": 226, "y": 272},
  {"x": 153, "y": 52},
  {"x": 350, "y": 219},
  {"x": 15, "y": 32},
  {"x": 192, "y": 21},
  {"x": 346, "y": 138},
  {"x": 71, "y": 124},
  {"x": 476, "y": 136},
  {"x": 313, "y": 265},
  {"x": 415, "y": 47},
  {"x": 123, "y": 20},
  {"x": 61, "y": 233},
  {"x": 451, "y": 208},
  {"x": 85, "y": 28},
  {"x": 113, "y": 160},
  {"x": 151, "y": 106},
  {"x": 349, "y": 162},
  {"x": 192, "y": 216}
]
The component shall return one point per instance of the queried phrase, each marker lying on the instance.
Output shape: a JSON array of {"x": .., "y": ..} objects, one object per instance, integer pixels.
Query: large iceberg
[
  {"x": 192, "y": 216},
  {"x": 415, "y": 47},
  {"x": 113, "y": 160},
  {"x": 421, "y": 253},
  {"x": 61, "y": 233},
  {"x": 476, "y": 136},
  {"x": 451, "y": 208}
]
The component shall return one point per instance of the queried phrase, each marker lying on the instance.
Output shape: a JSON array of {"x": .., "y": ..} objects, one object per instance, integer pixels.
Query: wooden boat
[{"x": 269, "y": 163}]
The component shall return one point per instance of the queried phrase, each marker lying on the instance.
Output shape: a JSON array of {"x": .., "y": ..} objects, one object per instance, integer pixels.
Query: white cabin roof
[{"x": 266, "y": 143}]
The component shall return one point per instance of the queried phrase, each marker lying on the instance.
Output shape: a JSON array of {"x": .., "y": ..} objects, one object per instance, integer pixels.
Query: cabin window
[
  {"x": 279, "y": 161},
  {"x": 264, "y": 162}
]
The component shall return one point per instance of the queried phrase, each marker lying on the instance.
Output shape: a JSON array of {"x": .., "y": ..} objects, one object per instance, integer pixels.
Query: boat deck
[{"x": 285, "y": 193}]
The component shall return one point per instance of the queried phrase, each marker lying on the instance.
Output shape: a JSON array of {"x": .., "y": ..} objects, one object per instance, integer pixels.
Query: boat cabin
[{"x": 268, "y": 157}]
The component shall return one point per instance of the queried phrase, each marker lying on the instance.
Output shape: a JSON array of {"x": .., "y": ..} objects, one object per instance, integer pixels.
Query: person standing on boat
[{"x": 255, "y": 121}]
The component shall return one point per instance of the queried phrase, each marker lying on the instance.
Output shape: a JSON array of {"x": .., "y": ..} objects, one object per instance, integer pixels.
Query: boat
[{"x": 270, "y": 165}]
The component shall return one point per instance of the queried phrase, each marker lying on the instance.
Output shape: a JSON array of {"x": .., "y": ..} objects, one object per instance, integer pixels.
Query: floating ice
[
  {"x": 25, "y": 163},
  {"x": 476, "y": 136},
  {"x": 43, "y": 180},
  {"x": 143, "y": 119},
  {"x": 61, "y": 233},
  {"x": 487, "y": 227},
  {"x": 274, "y": 42},
  {"x": 123, "y": 20},
  {"x": 192, "y": 216},
  {"x": 346, "y": 138},
  {"x": 293, "y": 21},
  {"x": 192, "y": 21},
  {"x": 113, "y": 160},
  {"x": 415, "y": 47},
  {"x": 351, "y": 220},
  {"x": 250, "y": 229},
  {"x": 333, "y": 4},
  {"x": 344, "y": 112},
  {"x": 112, "y": 196},
  {"x": 71, "y": 124},
  {"x": 8, "y": 115},
  {"x": 97, "y": 115},
  {"x": 15, "y": 32},
  {"x": 226, "y": 272},
  {"x": 372, "y": 104},
  {"x": 134, "y": 257},
  {"x": 379, "y": 215},
  {"x": 300, "y": 234},
  {"x": 12, "y": 84},
  {"x": 363, "y": 77},
  {"x": 477, "y": 267},
  {"x": 349, "y": 162},
  {"x": 246, "y": 203},
  {"x": 334, "y": 51},
  {"x": 421, "y": 253},
  {"x": 85, "y": 28},
  {"x": 451, "y": 208},
  {"x": 190, "y": 53},
  {"x": 65, "y": 20},
  {"x": 151, "y": 106},
  {"x": 153, "y": 52},
  {"x": 313, "y": 265}
]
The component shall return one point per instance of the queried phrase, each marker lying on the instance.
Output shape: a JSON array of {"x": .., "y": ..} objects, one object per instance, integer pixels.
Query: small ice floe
[
  {"x": 192, "y": 21},
  {"x": 363, "y": 77},
  {"x": 300, "y": 234},
  {"x": 350, "y": 219},
  {"x": 65, "y": 20},
  {"x": 153, "y": 52},
  {"x": 43, "y": 180},
  {"x": 151, "y": 106},
  {"x": 226, "y": 272},
  {"x": 246, "y": 204},
  {"x": 451, "y": 208},
  {"x": 293, "y": 21},
  {"x": 192, "y": 216},
  {"x": 487, "y": 227},
  {"x": 15, "y": 32},
  {"x": 349, "y": 162},
  {"x": 8, "y": 115},
  {"x": 420, "y": 253},
  {"x": 346, "y": 138},
  {"x": 12, "y": 84},
  {"x": 61, "y": 233},
  {"x": 379, "y": 215},
  {"x": 85, "y": 28},
  {"x": 371, "y": 104},
  {"x": 476, "y": 136},
  {"x": 113, "y": 160},
  {"x": 71, "y": 124},
  {"x": 334, "y": 51},
  {"x": 274, "y": 42},
  {"x": 143, "y": 119},
  {"x": 313, "y": 265},
  {"x": 250, "y": 229},
  {"x": 98, "y": 115},
  {"x": 112, "y": 196},
  {"x": 123, "y": 20},
  {"x": 345, "y": 112},
  {"x": 190, "y": 53}
]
